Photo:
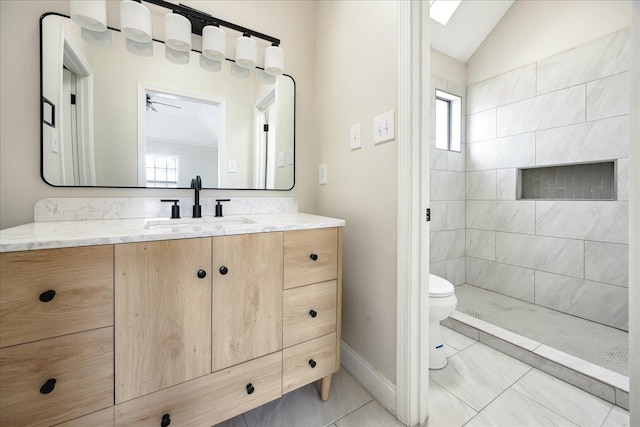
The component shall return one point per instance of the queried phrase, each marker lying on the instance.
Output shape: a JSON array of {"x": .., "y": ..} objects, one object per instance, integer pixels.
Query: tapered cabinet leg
[{"x": 325, "y": 388}]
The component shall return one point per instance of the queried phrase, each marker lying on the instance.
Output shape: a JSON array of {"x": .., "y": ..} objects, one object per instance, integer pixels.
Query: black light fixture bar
[{"x": 200, "y": 19}]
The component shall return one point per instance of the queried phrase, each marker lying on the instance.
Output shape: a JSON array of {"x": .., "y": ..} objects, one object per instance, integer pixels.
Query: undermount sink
[{"x": 195, "y": 223}]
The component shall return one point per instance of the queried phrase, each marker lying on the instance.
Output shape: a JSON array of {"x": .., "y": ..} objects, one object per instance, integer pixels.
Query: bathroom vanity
[{"x": 119, "y": 322}]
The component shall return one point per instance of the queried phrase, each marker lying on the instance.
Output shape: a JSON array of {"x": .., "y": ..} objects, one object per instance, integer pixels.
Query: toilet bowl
[{"x": 442, "y": 302}]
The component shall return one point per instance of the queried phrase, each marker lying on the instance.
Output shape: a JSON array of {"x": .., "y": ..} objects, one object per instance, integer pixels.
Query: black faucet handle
[
  {"x": 196, "y": 183},
  {"x": 219, "y": 206},
  {"x": 175, "y": 209}
]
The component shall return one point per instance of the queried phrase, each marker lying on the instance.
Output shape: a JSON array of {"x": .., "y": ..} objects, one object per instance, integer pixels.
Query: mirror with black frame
[{"x": 119, "y": 114}]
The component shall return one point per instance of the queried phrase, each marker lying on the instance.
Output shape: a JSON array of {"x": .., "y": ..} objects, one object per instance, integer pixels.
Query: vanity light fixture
[
  {"x": 179, "y": 25},
  {"x": 246, "y": 51},
  {"x": 177, "y": 31},
  {"x": 91, "y": 15},
  {"x": 135, "y": 21},
  {"x": 274, "y": 60}
]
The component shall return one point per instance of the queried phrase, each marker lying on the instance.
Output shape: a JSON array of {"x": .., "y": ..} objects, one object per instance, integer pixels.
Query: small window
[
  {"x": 448, "y": 121},
  {"x": 162, "y": 170}
]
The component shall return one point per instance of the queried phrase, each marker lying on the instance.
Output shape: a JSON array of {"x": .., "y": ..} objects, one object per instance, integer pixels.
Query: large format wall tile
[
  {"x": 562, "y": 256},
  {"x": 447, "y": 244},
  {"x": 603, "y": 57},
  {"x": 623, "y": 179},
  {"x": 607, "y": 262},
  {"x": 481, "y": 244},
  {"x": 605, "y": 139},
  {"x": 509, "y": 216},
  {"x": 481, "y": 126},
  {"x": 452, "y": 270},
  {"x": 516, "y": 282},
  {"x": 600, "y": 221},
  {"x": 608, "y": 97},
  {"x": 438, "y": 215},
  {"x": 455, "y": 215},
  {"x": 510, "y": 152},
  {"x": 481, "y": 185},
  {"x": 438, "y": 157},
  {"x": 506, "y": 88},
  {"x": 456, "y": 160},
  {"x": 560, "y": 108},
  {"x": 595, "y": 301},
  {"x": 506, "y": 182},
  {"x": 447, "y": 185}
]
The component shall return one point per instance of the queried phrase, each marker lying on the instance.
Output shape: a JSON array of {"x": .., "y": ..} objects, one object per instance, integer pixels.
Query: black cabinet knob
[
  {"x": 224, "y": 270},
  {"x": 48, "y": 386},
  {"x": 313, "y": 313},
  {"x": 312, "y": 363},
  {"x": 47, "y": 296},
  {"x": 202, "y": 274},
  {"x": 313, "y": 257},
  {"x": 250, "y": 388},
  {"x": 166, "y": 420}
]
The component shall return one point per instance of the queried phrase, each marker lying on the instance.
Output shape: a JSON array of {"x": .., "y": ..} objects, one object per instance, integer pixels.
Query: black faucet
[{"x": 196, "y": 184}]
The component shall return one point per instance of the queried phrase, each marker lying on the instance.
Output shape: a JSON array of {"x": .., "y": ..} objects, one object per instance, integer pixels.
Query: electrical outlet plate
[
  {"x": 291, "y": 156},
  {"x": 322, "y": 174},
  {"x": 355, "y": 136},
  {"x": 54, "y": 141},
  {"x": 281, "y": 159},
  {"x": 384, "y": 127},
  {"x": 232, "y": 166}
]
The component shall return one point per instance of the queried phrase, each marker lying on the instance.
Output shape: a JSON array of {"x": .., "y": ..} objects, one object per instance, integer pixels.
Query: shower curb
[{"x": 601, "y": 382}]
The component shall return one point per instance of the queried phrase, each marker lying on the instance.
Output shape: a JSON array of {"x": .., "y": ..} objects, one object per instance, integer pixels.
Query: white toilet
[{"x": 442, "y": 302}]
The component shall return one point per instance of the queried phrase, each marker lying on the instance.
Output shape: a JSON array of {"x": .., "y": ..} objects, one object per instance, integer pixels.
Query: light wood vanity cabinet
[{"x": 205, "y": 329}]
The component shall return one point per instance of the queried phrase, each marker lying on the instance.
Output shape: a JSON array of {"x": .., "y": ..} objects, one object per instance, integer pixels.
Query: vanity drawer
[
  {"x": 310, "y": 256},
  {"x": 50, "y": 381},
  {"x": 103, "y": 418},
  {"x": 53, "y": 292},
  {"x": 208, "y": 400},
  {"x": 307, "y": 362},
  {"x": 309, "y": 312}
]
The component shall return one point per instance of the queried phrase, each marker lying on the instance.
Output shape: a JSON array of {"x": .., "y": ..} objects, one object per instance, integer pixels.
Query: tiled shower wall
[
  {"x": 447, "y": 235},
  {"x": 570, "y": 256}
]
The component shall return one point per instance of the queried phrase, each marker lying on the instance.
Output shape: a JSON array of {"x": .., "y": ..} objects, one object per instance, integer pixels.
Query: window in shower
[
  {"x": 448, "y": 121},
  {"x": 588, "y": 181}
]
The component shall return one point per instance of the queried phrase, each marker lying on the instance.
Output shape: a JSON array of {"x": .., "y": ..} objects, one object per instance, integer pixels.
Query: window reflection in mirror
[{"x": 112, "y": 137}]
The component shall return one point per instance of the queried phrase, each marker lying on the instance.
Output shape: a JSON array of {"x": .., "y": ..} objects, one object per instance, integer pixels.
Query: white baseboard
[{"x": 383, "y": 390}]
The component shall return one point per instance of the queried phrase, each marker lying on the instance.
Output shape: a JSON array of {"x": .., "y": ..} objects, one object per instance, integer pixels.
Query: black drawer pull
[
  {"x": 47, "y": 296},
  {"x": 313, "y": 257},
  {"x": 202, "y": 274},
  {"x": 224, "y": 270},
  {"x": 313, "y": 313},
  {"x": 312, "y": 363},
  {"x": 166, "y": 420},
  {"x": 250, "y": 388},
  {"x": 48, "y": 386}
]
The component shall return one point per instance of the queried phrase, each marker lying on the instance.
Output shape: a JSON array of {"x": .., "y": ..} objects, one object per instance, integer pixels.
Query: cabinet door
[
  {"x": 247, "y": 297},
  {"x": 162, "y": 314}
]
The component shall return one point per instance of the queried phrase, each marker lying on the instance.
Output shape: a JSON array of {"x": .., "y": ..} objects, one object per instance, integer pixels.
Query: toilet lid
[{"x": 439, "y": 287}]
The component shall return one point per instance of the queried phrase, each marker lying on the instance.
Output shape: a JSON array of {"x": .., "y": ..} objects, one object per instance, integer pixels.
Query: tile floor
[{"x": 480, "y": 387}]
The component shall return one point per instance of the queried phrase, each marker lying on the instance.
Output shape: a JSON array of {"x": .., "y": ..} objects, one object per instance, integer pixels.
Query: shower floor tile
[{"x": 599, "y": 344}]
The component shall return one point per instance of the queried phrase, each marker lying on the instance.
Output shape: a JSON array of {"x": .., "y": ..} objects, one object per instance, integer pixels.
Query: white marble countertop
[{"x": 61, "y": 234}]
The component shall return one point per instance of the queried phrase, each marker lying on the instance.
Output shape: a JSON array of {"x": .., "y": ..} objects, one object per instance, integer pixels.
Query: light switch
[
  {"x": 232, "y": 166},
  {"x": 384, "y": 127},
  {"x": 54, "y": 141},
  {"x": 355, "y": 137},
  {"x": 281, "y": 159},
  {"x": 322, "y": 173}
]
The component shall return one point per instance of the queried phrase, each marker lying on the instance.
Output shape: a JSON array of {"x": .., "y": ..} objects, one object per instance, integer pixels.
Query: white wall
[
  {"x": 20, "y": 183},
  {"x": 356, "y": 81},
  {"x": 531, "y": 30}
]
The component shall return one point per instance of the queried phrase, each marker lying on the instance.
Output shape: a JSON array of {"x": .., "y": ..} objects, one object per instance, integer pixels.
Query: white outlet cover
[
  {"x": 355, "y": 136},
  {"x": 322, "y": 173},
  {"x": 232, "y": 166},
  {"x": 281, "y": 159},
  {"x": 54, "y": 141},
  {"x": 384, "y": 127}
]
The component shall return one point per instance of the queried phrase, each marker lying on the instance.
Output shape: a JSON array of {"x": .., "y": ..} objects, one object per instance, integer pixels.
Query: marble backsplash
[{"x": 82, "y": 209}]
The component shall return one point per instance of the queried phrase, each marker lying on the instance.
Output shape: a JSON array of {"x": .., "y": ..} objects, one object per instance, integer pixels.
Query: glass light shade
[
  {"x": 246, "y": 52},
  {"x": 274, "y": 60},
  {"x": 177, "y": 32},
  {"x": 214, "y": 43},
  {"x": 135, "y": 21},
  {"x": 89, "y": 14}
]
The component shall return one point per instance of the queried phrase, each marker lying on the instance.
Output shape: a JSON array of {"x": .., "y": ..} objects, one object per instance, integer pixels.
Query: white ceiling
[{"x": 470, "y": 24}]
